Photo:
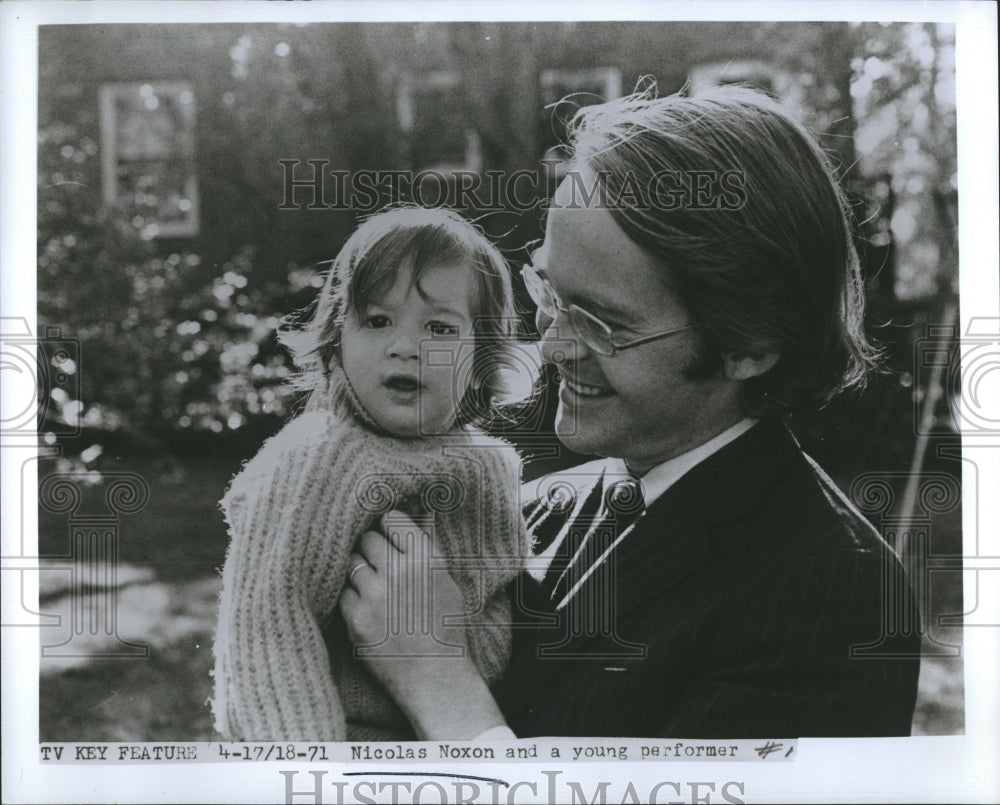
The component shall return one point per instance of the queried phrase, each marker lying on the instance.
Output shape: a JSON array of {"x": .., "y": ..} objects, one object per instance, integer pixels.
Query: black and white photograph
[{"x": 460, "y": 404}]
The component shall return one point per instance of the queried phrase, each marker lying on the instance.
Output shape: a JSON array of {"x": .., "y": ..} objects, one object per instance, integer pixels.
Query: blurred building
[{"x": 210, "y": 135}]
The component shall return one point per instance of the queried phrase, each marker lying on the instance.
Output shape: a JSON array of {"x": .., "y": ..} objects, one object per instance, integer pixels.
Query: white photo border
[{"x": 959, "y": 768}]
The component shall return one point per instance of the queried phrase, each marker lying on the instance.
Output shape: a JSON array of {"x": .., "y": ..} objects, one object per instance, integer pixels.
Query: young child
[{"x": 406, "y": 351}]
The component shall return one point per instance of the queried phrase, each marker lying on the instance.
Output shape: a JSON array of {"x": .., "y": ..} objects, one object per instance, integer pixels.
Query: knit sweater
[{"x": 295, "y": 511}]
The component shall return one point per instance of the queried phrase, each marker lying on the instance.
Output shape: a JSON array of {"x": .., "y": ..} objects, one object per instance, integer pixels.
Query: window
[
  {"x": 147, "y": 155},
  {"x": 432, "y": 111}
]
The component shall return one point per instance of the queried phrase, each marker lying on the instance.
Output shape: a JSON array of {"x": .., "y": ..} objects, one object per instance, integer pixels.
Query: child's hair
[{"x": 366, "y": 267}]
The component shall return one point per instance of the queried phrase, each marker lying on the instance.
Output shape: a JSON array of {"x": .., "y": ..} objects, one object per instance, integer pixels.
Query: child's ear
[
  {"x": 334, "y": 352},
  {"x": 745, "y": 365}
]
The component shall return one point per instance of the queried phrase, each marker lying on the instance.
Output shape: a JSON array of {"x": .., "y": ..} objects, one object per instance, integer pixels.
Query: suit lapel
[
  {"x": 680, "y": 530},
  {"x": 558, "y": 501},
  {"x": 677, "y": 535}
]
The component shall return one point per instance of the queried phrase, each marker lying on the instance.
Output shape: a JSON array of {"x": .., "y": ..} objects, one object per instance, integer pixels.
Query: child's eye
[
  {"x": 377, "y": 321},
  {"x": 440, "y": 329}
]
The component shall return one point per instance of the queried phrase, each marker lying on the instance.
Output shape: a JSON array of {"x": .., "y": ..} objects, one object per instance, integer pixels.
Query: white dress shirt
[{"x": 661, "y": 477}]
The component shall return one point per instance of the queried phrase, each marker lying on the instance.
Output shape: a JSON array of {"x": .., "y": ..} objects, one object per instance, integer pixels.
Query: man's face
[
  {"x": 636, "y": 404},
  {"x": 408, "y": 356}
]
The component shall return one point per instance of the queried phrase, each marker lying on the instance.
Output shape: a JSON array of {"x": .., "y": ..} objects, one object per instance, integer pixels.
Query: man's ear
[{"x": 744, "y": 365}]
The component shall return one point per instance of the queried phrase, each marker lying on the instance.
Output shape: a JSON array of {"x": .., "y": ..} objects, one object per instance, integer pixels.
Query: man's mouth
[{"x": 586, "y": 390}]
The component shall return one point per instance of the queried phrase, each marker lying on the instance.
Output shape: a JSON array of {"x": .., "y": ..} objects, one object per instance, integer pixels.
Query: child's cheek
[{"x": 447, "y": 376}]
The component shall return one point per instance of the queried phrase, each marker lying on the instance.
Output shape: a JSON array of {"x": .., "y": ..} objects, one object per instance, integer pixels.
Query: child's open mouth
[{"x": 403, "y": 383}]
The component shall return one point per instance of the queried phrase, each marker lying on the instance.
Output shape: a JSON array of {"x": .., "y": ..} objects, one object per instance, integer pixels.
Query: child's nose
[{"x": 403, "y": 345}]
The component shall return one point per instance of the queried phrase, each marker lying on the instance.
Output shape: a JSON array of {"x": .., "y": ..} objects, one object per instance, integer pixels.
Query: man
[{"x": 697, "y": 281}]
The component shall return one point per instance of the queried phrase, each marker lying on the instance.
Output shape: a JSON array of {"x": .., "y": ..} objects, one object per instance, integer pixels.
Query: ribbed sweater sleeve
[{"x": 291, "y": 534}]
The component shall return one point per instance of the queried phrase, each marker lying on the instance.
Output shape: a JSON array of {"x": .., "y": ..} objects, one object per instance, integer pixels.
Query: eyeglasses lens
[{"x": 593, "y": 333}]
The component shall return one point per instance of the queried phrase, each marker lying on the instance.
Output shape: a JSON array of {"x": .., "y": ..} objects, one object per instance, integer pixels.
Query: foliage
[
  {"x": 179, "y": 334},
  {"x": 904, "y": 89},
  {"x": 163, "y": 345}
]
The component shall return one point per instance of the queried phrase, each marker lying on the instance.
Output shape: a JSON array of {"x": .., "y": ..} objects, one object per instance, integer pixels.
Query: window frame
[
  {"x": 412, "y": 83},
  {"x": 110, "y": 126}
]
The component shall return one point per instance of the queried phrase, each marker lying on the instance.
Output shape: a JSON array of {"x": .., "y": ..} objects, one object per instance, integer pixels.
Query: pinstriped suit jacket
[{"x": 751, "y": 600}]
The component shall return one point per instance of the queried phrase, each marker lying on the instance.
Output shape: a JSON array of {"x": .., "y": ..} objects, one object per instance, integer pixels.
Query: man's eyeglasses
[{"x": 593, "y": 332}]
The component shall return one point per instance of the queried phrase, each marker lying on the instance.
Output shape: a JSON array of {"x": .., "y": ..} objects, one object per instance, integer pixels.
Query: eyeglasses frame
[{"x": 531, "y": 275}]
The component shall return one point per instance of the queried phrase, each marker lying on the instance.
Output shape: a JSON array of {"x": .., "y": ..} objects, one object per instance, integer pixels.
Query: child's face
[{"x": 408, "y": 356}]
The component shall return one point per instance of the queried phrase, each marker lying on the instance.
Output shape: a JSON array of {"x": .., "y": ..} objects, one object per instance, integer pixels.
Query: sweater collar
[{"x": 336, "y": 394}]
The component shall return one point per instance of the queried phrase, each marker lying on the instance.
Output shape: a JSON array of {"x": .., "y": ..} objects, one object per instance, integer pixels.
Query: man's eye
[
  {"x": 377, "y": 321},
  {"x": 616, "y": 325},
  {"x": 441, "y": 330}
]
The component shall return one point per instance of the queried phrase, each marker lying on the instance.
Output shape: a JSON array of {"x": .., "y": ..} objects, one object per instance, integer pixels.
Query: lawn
[
  {"x": 165, "y": 595},
  {"x": 167, "y": 587}
]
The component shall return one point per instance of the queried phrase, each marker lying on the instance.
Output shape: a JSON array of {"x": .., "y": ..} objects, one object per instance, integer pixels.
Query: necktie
[{"x": 622, "y": 504}]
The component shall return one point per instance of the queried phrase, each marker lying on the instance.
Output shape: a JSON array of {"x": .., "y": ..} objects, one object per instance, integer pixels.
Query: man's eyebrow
[
  {"x": 599, "y": 307},
  {"x": 605, "y": 309}
]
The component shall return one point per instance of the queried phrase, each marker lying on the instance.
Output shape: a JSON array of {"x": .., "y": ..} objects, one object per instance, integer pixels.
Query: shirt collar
[{"x": 661, "y": 477}]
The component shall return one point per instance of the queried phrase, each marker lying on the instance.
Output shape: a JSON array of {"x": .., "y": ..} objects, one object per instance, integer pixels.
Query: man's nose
[{"x": 559, "y": 342}]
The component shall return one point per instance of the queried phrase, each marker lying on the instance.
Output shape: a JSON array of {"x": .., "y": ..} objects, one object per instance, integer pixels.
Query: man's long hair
[{"x": 775, "y": 272}]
